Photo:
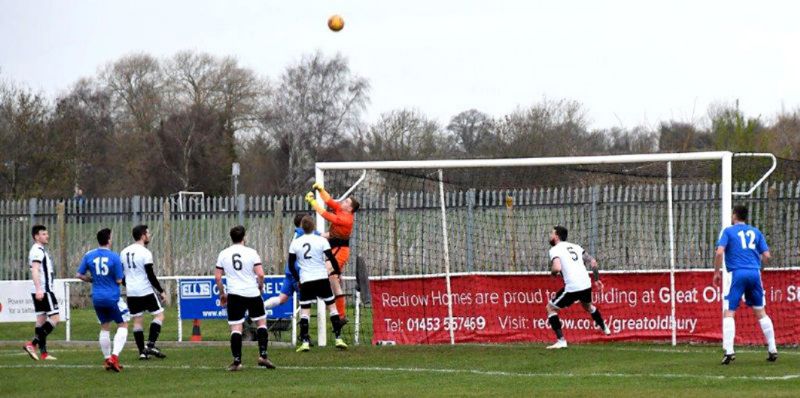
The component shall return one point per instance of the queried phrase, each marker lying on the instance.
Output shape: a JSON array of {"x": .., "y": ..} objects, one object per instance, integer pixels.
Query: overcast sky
[{"x": 628, "y": 62}]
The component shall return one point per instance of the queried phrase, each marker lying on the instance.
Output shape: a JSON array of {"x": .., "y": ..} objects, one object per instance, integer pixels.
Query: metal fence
[{"x": 624, "y": 226}]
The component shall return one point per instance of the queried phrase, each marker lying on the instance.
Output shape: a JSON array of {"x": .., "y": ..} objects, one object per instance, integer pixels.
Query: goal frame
[{"x": 726, "y": 193}]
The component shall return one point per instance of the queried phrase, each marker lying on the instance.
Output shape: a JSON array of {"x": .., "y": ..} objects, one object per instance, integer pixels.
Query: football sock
[
  {"x": 37, "y": 331},
  {"x": 138, "y": 336},
  {"x": 598, "y": 319},
  {"x": 236, "y": 346},
  {"x": 105, "y": 343},
  {"x": 272, "y": 302},
  {"x": 769, "y": 333},
  {"x": 340, "y": 306},
  {"x": 263, "y": 340},
  {"x": 44, "y": 330},
  {"x": 119, "y": 340},
  {"x": 304, "y": 329},
  {"x": 337, "y": 325},
  {"x": 555, "y": 323},
  {"x": 155, "y": 330},
  {"x": 728, "y": 333}
]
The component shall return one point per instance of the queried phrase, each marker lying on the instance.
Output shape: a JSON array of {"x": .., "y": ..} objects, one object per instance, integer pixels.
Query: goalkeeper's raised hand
[{"x": 318, "y": 186}]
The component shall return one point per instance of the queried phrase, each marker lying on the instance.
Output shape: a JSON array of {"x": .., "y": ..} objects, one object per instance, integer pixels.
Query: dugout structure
[{"x": 451, "y": 285}]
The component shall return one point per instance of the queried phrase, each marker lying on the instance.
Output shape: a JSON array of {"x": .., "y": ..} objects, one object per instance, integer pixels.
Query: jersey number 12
[{"x": 752, "y": 236}]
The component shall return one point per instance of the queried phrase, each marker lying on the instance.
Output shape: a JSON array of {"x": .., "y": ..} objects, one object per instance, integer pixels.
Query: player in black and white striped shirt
[
  {"x": 244, "y": 276},
  {"x": 141, "y": 286},
  {"x": 44, "y": 298}
]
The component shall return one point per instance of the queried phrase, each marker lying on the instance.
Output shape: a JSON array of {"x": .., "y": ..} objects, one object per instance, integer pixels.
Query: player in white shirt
[
  {"x": 244, "y": 275},
  {"x": 569, "y": 259},
  {"x": 44, "y": 298},
  {"x": 144, "y": 292},
  {"x": 307, "y": 256}
]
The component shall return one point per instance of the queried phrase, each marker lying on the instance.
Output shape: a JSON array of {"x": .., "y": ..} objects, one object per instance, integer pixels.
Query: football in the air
[{"x": 336, "y": 23}]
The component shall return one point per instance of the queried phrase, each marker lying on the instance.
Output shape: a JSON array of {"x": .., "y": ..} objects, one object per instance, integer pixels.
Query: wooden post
[
  {"x": 510, "y": 228},
  {"x": 61, "y": 222}
]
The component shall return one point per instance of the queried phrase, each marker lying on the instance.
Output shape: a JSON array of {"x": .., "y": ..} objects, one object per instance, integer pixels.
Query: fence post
[
  {"x": 167, "y": 237},
  {"x": 32, "y": 209},
  {"x": 136, "y": 209},
  {"x": 240, "y": 207},
  {"x": 277, "y": 211},
  {"x": 62, "y": 239},
  {"x": 393, "y": 255},
  {"x": 593, "y": 236},
  {"x": 470, "y": 228}
]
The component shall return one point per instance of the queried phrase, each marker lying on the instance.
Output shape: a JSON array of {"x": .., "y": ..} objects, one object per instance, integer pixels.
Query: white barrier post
[{"x": 178, "y": 303}]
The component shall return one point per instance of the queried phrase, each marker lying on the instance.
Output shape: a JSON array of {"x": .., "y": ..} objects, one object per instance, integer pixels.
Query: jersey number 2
[
  {"x": 752, "y": 236},
  {"x": 308, "y": 250}
]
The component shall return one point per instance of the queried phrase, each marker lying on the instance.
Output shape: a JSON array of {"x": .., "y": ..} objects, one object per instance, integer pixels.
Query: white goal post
[{"x": 726, "y": 192}]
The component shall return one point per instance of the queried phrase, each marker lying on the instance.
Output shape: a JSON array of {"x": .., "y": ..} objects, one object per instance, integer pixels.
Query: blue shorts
[
  {"x": 289, "y": 285},
  {"x": 108, "y": 311},
  {"x": 747, "y": 283}
]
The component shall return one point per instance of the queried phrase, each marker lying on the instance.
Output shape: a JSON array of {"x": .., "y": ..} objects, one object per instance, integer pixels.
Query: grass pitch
[{"x": 464, "y": 370}]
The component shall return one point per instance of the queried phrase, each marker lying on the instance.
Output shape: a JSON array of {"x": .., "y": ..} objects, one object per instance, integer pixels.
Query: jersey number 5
[
  {"x": 752, "y": 236},
  {"x": 237, "y": 262},
  {"x": 100, "y": 265},
  {"x": 572, "y": 253}
]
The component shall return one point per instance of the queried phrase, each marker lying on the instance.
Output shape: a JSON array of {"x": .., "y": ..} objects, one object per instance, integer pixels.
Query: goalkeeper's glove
[
  {"x": 318, "y": 186},
  {"x": 311, "y": 199}
]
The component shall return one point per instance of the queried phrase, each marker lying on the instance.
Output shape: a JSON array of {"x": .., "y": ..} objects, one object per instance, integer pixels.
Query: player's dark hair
[
  {"x": 354, "y": 204},
  {"x": 741, "y": 212},
  {"x": 103, "y": 236},
  {"x": 298, "y": 218},
  {"x": 36, "y": 229},
  {"x": 307, "y": 223},
  {"x": 237, "y": 234},
  {"x": 139, "y": 231},
  {"x": 561, "y": 232}
]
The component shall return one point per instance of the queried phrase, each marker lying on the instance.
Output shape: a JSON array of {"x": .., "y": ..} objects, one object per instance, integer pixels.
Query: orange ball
[{"x": 335, "y": 23}]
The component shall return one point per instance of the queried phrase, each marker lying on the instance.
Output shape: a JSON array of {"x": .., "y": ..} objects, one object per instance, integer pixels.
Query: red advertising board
[{"x": 636, "y": 306}]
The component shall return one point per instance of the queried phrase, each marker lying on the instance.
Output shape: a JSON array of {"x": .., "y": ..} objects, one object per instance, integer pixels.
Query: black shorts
[
  {"x": 47, "y": 306},
  {"x": 565, "y": 299},
  {"x": 312, "y": 290},
  {"x": 141, "y": 304},
  {"x": 239, "y": 307}
]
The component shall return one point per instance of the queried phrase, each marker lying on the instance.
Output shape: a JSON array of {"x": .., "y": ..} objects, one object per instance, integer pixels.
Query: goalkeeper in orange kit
[{"x": 340, "y": 216}]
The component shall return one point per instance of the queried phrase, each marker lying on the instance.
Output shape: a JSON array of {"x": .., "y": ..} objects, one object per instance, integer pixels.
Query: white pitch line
[
  {"x": 688, "y": 351},
  {"x": 437, "y": 371}
]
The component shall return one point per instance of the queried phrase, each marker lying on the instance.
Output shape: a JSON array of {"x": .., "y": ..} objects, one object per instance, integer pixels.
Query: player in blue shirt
[
  {"x": 106, "y": 275},
  {"x": 744, "y": 249},
  {"x": 290, "y": 284}
]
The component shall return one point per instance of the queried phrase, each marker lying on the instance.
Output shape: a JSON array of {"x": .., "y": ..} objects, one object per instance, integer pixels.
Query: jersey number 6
[{"x": 237, "y": 263}]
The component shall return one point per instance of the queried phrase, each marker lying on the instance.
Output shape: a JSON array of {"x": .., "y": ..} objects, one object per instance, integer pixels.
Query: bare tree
[
  {"x": 474, "y": 132},
  {"x": 405, "y": 134},
  {"x": 317, "y": 104}
]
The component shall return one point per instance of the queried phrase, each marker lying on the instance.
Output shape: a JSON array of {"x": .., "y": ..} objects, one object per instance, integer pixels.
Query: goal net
[{"x": 457, "y": 251}]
